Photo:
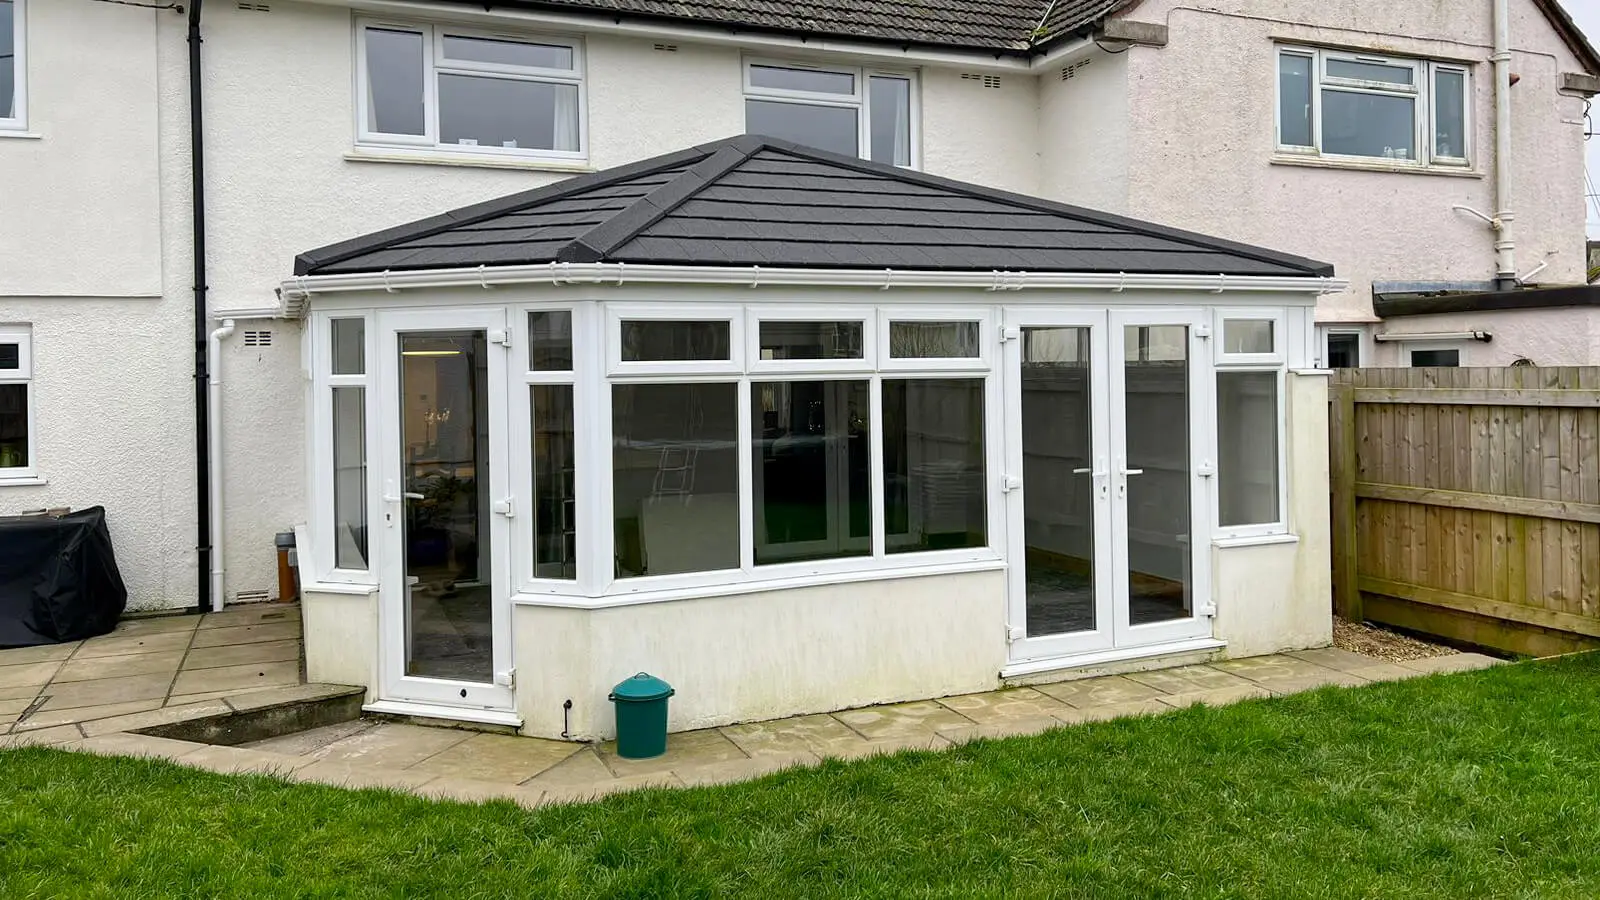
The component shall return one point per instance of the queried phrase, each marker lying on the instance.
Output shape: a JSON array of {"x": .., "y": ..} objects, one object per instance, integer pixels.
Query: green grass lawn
[{"x": 1477, "y": 785}]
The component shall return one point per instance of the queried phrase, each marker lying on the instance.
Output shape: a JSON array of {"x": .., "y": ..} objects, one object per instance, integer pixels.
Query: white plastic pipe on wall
[
  {"x": 214, "y": 438},
  {"x": 1505, "y": 246}
]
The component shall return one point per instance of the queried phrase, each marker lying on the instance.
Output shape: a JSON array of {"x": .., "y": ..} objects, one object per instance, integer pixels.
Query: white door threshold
[
  {"x": 504, "y": 717},
  {"x": 1115, "y": 655}
]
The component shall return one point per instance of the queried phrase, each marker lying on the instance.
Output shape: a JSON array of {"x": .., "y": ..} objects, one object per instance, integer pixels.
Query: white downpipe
[
  {"x": 214, "y": 441},
  {"x": 1505, "y": 246},
  {"x": 616, "y": 274}
]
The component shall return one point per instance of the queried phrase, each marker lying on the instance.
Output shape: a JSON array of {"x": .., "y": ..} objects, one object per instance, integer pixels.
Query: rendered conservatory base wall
[{"x": 764, "y": 655}]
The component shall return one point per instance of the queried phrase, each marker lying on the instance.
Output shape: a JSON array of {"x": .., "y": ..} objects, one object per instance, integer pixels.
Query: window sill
[
  {"x": 567, "y": 601},
  {"x": 21, "y": 135},
  {"x": 466, "y": 160},
  {"x": 1317, "y": 162},
  {"x": 1255, "y": 540},
  {"x": 23, "y": 481}
]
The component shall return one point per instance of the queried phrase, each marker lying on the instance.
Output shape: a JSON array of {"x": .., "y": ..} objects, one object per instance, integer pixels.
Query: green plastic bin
[{"x": 641, "y": 703}]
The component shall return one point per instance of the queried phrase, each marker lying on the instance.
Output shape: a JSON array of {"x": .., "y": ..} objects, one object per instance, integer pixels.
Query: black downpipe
[{"x": 202, "y": 363}]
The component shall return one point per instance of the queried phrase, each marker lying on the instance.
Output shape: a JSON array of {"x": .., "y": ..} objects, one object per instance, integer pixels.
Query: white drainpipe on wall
[
  {"x": 214, "y": 439},
  {"x": 1505, "y": 256}
]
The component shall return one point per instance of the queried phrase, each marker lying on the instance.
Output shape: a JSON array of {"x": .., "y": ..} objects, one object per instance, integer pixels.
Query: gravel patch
[{"x": 1371, "y": 640}]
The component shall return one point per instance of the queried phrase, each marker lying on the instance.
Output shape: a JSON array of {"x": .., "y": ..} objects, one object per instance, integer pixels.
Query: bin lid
[{"x": 642, "y": 686}]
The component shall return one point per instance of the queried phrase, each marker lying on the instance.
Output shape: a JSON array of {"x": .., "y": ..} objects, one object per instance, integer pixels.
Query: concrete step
[{"x": 243, "y": 718}]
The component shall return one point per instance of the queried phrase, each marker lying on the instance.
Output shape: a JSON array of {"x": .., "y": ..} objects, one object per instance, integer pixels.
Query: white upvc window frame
[
  {"x": 435, "y": 64},
  {"x": 1421, "y": 92},
  {"x": 582, "y": 378},
  {"x": 860, "y": 99},
  {"x": 22, "y": 336},
  {"x": 617, "y": 313},
  {"x": 1276, "y": 362},
  {"x": 18, "y": 120},
  {"x": 797, "y": 369},
  {"x": 1326, "y": 335},
  {"x": 988, "y": 343},
  {"x": 323, "y": 527}
]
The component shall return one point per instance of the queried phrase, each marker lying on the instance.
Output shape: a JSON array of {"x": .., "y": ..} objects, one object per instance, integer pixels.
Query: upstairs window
[
  {"x": 435, "y": 86},
  {"x": 857, "y": 112},
  {"x": 1360, "y": 106},
  {"x": 13, "y": 71}
]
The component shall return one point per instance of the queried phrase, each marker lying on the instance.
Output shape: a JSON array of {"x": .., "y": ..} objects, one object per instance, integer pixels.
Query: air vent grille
[
  {"x": 1067, "y": 72},
  {"x": 988, "y": 81},
  {"x": 255, "y": 7},
  {"x": 667, "y": 48},
  {"x": 258, "y": 339},
  {"x": 252, "y": 597}
]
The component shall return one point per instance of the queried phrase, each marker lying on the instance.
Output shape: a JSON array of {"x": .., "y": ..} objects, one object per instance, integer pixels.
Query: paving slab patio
[{"x": 90, "y": 696}]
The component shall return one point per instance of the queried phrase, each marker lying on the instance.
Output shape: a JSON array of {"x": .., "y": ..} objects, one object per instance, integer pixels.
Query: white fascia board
[
  {"x": 617, "y": 274},
  {"x": 710, "y": 33}
]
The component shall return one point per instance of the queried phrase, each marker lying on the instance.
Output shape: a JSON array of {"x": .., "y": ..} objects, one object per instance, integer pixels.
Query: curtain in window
[{"x": 565, "y": 127}]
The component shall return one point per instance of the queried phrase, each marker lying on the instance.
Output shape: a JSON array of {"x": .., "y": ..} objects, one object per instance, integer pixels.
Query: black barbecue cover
[{"x": 58, "y": 578}]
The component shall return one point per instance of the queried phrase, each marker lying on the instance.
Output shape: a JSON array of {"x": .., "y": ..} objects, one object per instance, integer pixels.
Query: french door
[
  {"x": 1106, "y": 479},
  {"x": 445, "y": 615}
]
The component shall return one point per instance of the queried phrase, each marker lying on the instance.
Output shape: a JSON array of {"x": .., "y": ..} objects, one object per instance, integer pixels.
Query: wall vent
[
  {"x": 667, "y": 48},
  {"x": 1068, "y": 71},
  {"x": 252, "y": 597},
  {"x": 255, "y": 7},
  {"x": 258, "y": 339},
  {"x": 988, "y": 81}
]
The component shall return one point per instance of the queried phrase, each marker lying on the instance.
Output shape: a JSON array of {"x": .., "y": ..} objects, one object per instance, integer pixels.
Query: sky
[{"x": 1587, "y": 15}]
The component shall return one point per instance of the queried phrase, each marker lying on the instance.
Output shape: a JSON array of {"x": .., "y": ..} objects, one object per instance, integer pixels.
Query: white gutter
[
  {"x": 754, "y": 276},
  {"x": 709, "y": 33},
  {"x": 1505, "y": 256},
  {"x": 1434, "y": 336}
]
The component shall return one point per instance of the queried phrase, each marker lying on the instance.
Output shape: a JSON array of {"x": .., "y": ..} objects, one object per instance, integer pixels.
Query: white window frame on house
[
  {"x": 1422, "y": 93},
  {"x": 1324, "y": 355},
  {"x": 582, "y": 377},
  {"x": 435, "y": 63},
  {"x": 860, "y": 99},
  {"x": 18, "y": 120},
  {"x": 1407, "y": 348},
  {"x": 323, "y": 384},
  {"x": 22, "y": 337},
  {"x": 1276, "y": 362}
]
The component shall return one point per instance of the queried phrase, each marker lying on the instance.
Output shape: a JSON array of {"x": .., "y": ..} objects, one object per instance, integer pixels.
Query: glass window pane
[
  {"x": 811, "y": 464},
  {"x": 8, "y": 59},
  {"x": 555, "y": 528},
  {"x": 550, "y": 341},
  {"x": 480, "y": 111},
  {"x": 1450, "y": 114},
  {"x": 1366, "y": 71},
  {"x": 933, "y": 465},
  {"x": 675, "y": 477},
  {"x": 1247, "y": 335},
  {"x": 664, "y": 340},
  {"x": 824, "y": 127},
  {"x": 1440, "y": 358},
  {"x": 1247, "y": 448},
  {"x": 811, "y": 340},
  {"x": 1294, "y": 100},
  {"x": 394, "y": 82},
  {"x": 505, "y": 52},
  {"x": 890, "y": 133},
  {"x": 1344, "y": 351},
  {"x": 350, "y": 477},
  {"x": 1156, "y": 441},
  {"x": 1372, "y": 125},
  {"x": 812, "y": 80},
  {"x": 349, "y": 346},
  {"x": 14, "y": 448},
  {"x": 10, "y": 357},
  {"x": 1058, "y": 481},
  {"x": 933, "y": 340}
]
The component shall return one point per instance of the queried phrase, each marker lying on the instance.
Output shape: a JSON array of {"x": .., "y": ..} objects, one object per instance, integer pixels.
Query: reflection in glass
[
  {"x": 813, "y": 81},
  {"x": 480, "y": 111},
  {"x": 550, "y": 341},
  {"x": 834, "y": 128},
  {"x": 1450, "y": 114},
  {"x": 444, "y": 432},
  {"x": 672, "y": 340},
  {"x": 350, "y": 477},
  {"x": 1057, "y": 480},
  {"x": 1294, "y": 100},
  {"x": 1374, "y": 125},
  {"x": 14, "y": 448},
  {"x": 395, "y": 82},
  {"x": 1156, "y": 394},
  {"x": 1247, "y": 336},
  {"x": 933, "y": 465},
  {"x": 503, "y": 52},
  {"x": 890, "y": 106},
  {"x": 349, "y": 346},
  {"x": 1247, "y": 448},
  {"x": 555, "y": 528},
  {"x": 811, "y": 340},
  {"x": 812, "y": 467},
  {"x": 933, "y": 340},
  {"x": 675, "y": 477}
]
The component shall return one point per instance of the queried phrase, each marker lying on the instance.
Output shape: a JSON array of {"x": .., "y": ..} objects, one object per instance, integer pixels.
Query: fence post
[{"x": 1342, "y": 461}]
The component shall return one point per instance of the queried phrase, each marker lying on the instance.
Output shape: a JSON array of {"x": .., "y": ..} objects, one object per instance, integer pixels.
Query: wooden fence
[{"x": 1466, "y": 503}]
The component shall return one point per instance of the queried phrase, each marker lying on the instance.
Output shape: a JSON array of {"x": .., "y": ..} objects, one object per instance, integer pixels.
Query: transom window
[
  {"x": 13, "y": 67},
  {"x": 16, "y": 403},
  {"x": 857, "y": 112},
  {"x": 437, "y": 86},
  {"x": 1405, "y": 111}
]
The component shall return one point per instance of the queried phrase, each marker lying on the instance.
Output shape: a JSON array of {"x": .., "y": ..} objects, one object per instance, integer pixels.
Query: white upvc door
[
  {"x": 445, "y": 527},
  {"x": 1106, "y": 479},
  {"x": 1161, "y": 383}
]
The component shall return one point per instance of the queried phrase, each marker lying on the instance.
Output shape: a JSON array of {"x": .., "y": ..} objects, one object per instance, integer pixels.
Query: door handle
[
  {"x": 1126, "y": 472},
  {"x": 404, "y": 495}
]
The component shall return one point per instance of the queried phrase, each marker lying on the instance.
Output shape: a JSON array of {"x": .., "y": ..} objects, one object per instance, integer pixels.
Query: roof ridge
[{"x": 618, "y": 229}]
